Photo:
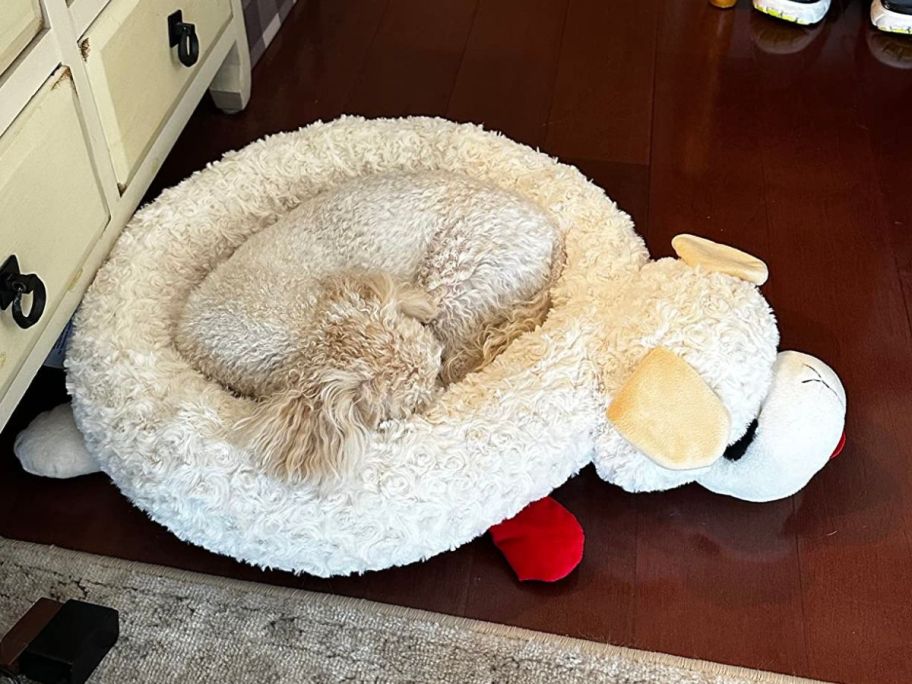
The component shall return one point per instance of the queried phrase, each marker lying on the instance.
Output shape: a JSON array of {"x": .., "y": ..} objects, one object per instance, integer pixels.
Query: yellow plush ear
[
  {"x": 667, "y": 411},
  {"x": 697, "y": 251}
]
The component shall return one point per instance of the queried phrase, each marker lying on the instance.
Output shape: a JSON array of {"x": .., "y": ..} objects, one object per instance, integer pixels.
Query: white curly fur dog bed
[{"x": 496, "y": 441}]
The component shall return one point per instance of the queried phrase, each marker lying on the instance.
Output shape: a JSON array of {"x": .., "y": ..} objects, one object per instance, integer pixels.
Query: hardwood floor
[{"x": 795, "y": 144}]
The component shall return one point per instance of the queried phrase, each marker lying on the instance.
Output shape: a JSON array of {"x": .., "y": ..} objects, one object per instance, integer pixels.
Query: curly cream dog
[{"x": 352, "y": 308}]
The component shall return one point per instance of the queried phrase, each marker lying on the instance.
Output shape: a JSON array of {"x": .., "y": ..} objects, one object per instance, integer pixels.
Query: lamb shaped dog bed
[{"x": 658, "y": 372}]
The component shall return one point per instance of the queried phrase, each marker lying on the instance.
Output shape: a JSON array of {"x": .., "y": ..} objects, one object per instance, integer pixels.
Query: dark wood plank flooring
[{"x": 794, "y": 144}]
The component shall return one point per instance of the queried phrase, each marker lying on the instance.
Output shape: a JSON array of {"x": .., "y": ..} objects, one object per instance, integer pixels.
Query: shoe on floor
[
  {"x": 892, "y": 16},
  {"x": 804, "y": 12}
]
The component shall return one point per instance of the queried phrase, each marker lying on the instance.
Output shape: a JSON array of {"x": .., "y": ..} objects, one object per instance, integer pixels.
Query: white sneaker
[
  {"x": 804, "y": 12},
  {"x": 892, "y": 16}
]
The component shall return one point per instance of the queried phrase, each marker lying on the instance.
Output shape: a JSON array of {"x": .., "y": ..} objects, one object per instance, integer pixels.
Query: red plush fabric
[
  {"x": 543, "y": 542},
  {"x": 839, "y": 447}
]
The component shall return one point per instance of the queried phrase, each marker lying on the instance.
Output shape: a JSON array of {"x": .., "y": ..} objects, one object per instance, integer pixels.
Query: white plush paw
[{"x": 52, "y": 446}]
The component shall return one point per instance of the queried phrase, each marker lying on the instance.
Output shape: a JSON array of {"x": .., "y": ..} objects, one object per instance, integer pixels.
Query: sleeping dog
[{"x": 357, "y": 305}]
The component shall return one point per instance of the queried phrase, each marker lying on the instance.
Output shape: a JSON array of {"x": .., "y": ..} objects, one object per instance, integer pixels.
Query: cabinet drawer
[
  {"x": 136, "y": 76},
  {"x": 20, "y": 21},
  {"x": 51, "y": 206}
]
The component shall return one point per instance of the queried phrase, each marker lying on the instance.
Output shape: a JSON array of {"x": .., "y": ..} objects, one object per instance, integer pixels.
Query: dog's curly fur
[
  {"x": 368, "y": 357},
  {"x": 356, "y": 306}
]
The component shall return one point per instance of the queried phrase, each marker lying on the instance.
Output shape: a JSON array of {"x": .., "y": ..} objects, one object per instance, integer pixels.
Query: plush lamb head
[
  {"x": 694, "y": 376},
  {"x": 799, "y": 429}
]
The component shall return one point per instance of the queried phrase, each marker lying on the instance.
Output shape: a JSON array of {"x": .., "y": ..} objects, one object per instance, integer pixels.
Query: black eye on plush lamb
[{"x": 735, "y": 450}]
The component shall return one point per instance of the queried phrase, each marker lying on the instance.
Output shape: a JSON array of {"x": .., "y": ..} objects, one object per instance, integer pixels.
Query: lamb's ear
[
  {"x": 697, "y": 251},
  {"x": 667, "y": 411},
  {"x": 415, "y": 302}
]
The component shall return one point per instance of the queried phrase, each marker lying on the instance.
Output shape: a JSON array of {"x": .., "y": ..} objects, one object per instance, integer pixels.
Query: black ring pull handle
[
  {"x": 183, "y": 35},
  {"x": 14, "y": 286}
]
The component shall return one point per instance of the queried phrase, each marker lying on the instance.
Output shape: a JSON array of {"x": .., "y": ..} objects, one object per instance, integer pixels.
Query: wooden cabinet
[
  {"x": 137, "y": 76},
  {"x": 79, "y": 148},
  {"x": 20, "y": 22},
  {"x": 46, "y": 156}
]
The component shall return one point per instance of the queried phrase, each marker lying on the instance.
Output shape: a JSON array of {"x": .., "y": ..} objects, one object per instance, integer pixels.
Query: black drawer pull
[
  {"x": 14, "y": 286},
  {"x": 183, "y": 35}
]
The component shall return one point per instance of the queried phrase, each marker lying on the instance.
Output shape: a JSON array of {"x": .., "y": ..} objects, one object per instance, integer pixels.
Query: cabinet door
[
  {"x": 136, "y": 76},
  {"x": 20, "y": 21},
  {"x": 51, "y": 206}
]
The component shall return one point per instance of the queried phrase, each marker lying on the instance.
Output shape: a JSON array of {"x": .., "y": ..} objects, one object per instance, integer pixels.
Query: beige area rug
[{"x": 184, "y": 627}]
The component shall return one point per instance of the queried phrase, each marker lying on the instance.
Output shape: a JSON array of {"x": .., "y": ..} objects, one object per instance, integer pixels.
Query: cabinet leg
[{"x": 230, "y": 89}]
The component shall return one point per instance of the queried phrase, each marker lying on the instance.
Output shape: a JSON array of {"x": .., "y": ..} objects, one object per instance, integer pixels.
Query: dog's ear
[
  {"x": 341, "y": 421},
  {"x": 315, "y": 432},
  {"x": 410, "y": 300},
  {"x": 415, "y": 302}
]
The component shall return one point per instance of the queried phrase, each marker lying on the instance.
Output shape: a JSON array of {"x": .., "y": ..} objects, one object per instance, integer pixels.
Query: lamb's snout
[{"x": 800, "y": 429}]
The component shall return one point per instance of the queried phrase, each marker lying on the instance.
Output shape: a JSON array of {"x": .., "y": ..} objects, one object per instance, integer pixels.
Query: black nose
[{"x": 735, "y": 451}]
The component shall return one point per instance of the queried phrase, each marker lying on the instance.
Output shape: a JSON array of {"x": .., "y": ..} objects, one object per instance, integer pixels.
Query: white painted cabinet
[
  {"x": 45, "y": 155},
  {"x": 93, "y": 94},
  {"x": 137, "y": 76},
  {"x": 20, "y": 21}
]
